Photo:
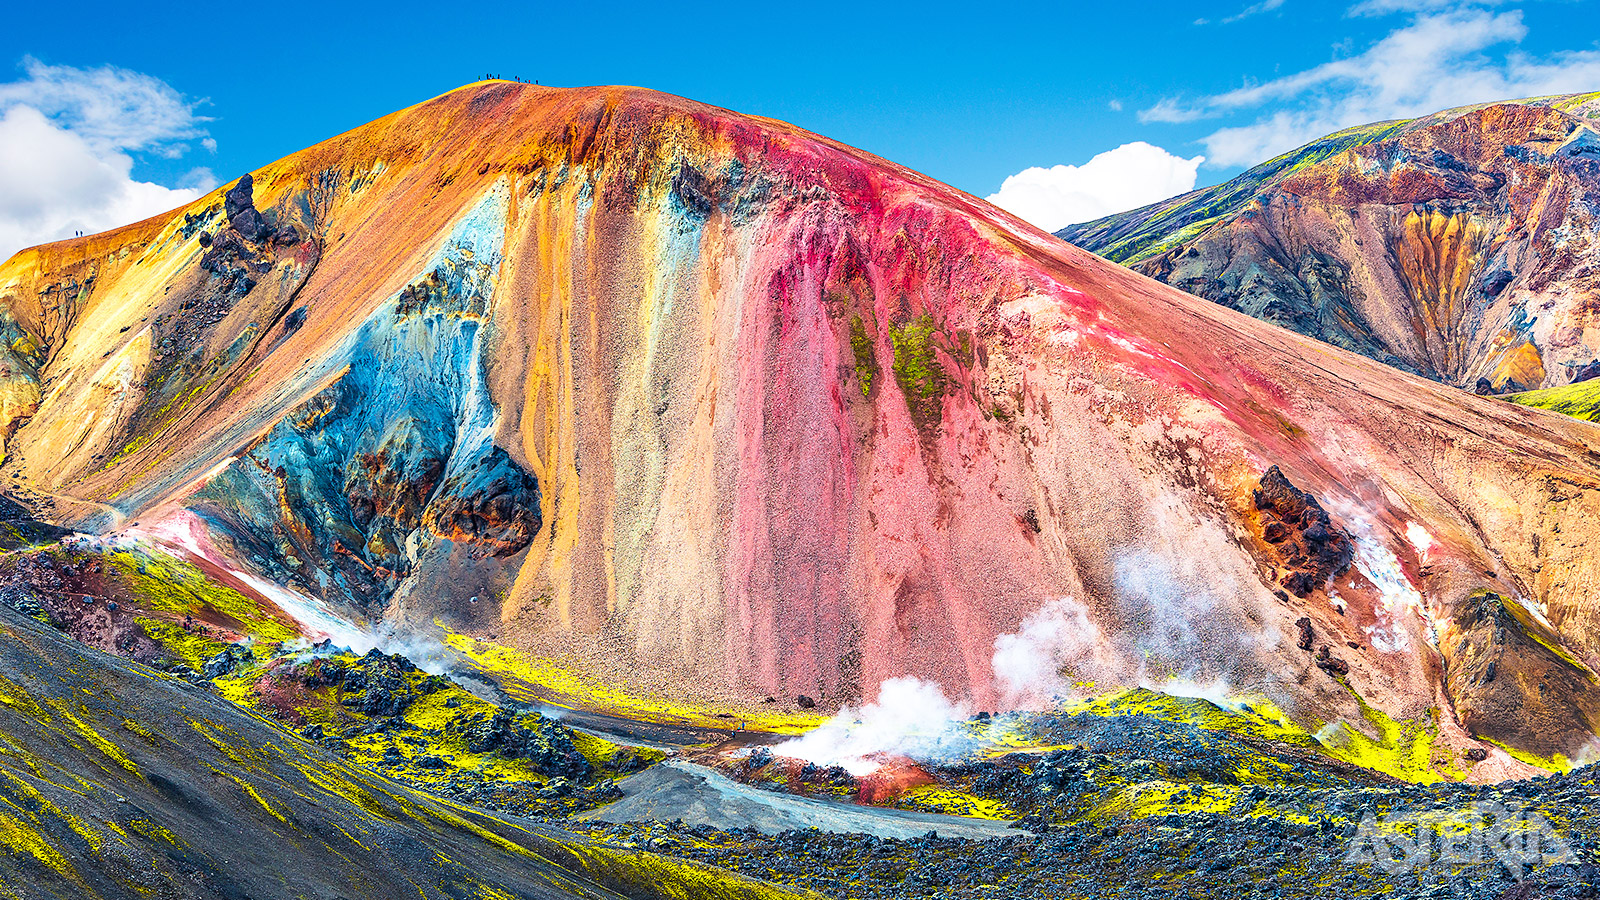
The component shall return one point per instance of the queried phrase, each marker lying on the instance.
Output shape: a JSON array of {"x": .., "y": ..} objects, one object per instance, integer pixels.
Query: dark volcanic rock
[
  {"x": 240, "y": 197},
  {"x": 1331, "y": 664},
  {"x": 239, "y": 206},
  {"x": 225, "y": 662},
  {"x": 694, "y": 191},
  {"x": 1306, "y": 634},
  {"x": 535, "y": 738},
  {"x": 1311, "y": 545},
  {"x": 1587, "y": 371}
]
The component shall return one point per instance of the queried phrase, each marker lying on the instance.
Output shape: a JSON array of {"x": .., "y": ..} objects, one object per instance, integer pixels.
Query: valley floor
[{"x": 202, "y": 751}]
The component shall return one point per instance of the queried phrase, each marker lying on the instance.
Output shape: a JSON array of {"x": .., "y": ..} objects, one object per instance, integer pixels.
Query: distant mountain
[
  {"x": 705, "y": 408},
  {"x": 1463, "y": 246}
]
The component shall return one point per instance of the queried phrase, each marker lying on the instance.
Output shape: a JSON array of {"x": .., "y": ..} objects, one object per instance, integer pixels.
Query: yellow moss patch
[
  {"x": 1403, "y": 749},
  {"x": 93, "y": 737},
  {"x": 1257, "y": 717},
  {"x": 1558, "y": 763},
  {"x": 183, "y": 646},
  {"x": 603, "y": 754},
  {"x": 151, "y": 830},
  {"x": 142, "y": 732},
  {"x": 238, "y": 690},
  {"x": 665, "y": 878},
  {"x": 167, "y": 584},
  {"x": 551, "y": 683},
  {"x": 1160, "y": 798},
  {"x": 41, "y": 804},
  {"x": 250, "y": 790},
  {"x": 941, "y": 799},
  {"x": 22, "y": 838},
  {"x": 1580, "y": 401}
]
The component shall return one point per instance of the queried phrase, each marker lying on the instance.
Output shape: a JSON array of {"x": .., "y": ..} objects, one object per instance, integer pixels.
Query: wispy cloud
[
  {"x": 66, "y": 139},
  {"x": 1444, "y": 55},
  {"x": 1388, "y": 7},
  {"x": 1253, "y": 9}
]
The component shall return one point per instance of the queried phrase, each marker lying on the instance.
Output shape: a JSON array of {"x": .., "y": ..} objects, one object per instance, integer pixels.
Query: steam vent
[{"x": 587, "y": 492}]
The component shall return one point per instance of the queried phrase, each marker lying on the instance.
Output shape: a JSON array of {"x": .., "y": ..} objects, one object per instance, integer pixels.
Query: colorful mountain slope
[
  {"x": 1458, "y": 245},
  {"x": 709, "y": 409}
]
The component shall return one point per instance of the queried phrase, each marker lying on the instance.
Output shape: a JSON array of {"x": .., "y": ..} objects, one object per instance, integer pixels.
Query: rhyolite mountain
[
  {"x": 1461, "y": 246},
  {"x": 708, "y": 407}
]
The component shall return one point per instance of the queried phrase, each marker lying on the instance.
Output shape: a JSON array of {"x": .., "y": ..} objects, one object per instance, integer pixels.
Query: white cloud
[
  {"x": 1125, "y": 178},
  {"x": 65, "y": 139},
  {"x": 109, "y": 107},
  {"x": 1441, "y": 58}
]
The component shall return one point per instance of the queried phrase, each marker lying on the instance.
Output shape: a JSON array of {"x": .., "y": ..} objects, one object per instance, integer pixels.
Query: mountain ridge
[
  {"x": 1343, "y": 239},
  {"x": 711, "y": 408}
]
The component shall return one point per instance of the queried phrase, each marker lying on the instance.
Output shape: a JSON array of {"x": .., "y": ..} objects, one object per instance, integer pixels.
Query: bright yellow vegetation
[
  {"x": 529, "y": 679},
  {"x": 952, "y": 802},
  {"x": 161, "y": 583},
  {"x": 1403, "y": 749},
  {"x": 1580, "y": 401}
]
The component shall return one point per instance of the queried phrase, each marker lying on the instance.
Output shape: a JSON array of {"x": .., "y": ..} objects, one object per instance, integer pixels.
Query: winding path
[{"x": 675, "y": 789}]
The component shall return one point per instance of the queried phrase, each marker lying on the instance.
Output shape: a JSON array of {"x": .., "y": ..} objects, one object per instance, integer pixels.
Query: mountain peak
[
  {"x": 705, "y": 408},
  {"x": 1443, "y": 245}
]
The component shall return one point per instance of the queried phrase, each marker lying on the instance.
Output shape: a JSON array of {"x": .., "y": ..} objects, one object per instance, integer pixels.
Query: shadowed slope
[
  {"x": 706, "y": 407},
  {"x": 118, "y": 782}
]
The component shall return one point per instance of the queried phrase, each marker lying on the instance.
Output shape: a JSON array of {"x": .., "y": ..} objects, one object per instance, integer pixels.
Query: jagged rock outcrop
[
  {"x": 1310, "y": 547},
  {"x": 711, "y": 409}
]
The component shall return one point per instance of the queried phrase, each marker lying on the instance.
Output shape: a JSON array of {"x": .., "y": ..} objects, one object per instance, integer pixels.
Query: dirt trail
[{"x": 676, "y": 789}]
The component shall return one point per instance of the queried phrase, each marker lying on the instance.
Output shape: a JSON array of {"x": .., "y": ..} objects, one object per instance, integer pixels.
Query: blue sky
[{"x": 970, "y": 94}]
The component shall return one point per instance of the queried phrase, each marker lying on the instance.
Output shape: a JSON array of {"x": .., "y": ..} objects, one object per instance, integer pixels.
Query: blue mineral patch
[{"x": 348, "y": 490}]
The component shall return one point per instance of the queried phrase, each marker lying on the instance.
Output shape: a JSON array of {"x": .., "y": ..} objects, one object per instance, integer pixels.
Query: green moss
[
  {"x": 917, "y": 369},
  {"x": 161, "y": 583},
  {"x": 866, "y": 356},
  {"x": 1580, "y": 401},
  {"x": 181, "y": 646}
]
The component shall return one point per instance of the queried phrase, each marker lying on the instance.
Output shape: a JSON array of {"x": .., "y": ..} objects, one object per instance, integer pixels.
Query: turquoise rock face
[{"x": 397, "y": 455}]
